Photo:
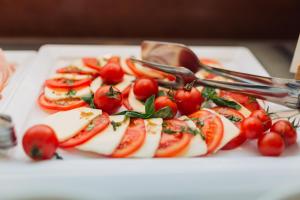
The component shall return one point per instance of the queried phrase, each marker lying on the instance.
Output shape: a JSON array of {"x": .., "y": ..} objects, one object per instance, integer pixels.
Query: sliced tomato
[
  {"x": 60, "y": 105},
  {"x": 211, "y": 126},
  {"x": 91, "y": 63},
  {"x": 236, "y": 117},
  {"x": 171, "y": 145},
  {"x": 249, "y": 102},
  {"x": 114, "y": 59},
  {"x": 72, "y": 69},
  {"x": 125, "y": 95},
  {"x": 132, "y": 140},
  {"x": 66, "y": 83},
  {"x": 94, "y": 128},
  {"x": 138, "y": 73}
]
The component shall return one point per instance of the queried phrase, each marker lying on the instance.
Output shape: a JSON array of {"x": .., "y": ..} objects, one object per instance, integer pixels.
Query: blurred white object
[{"x": 296, "y": 60}]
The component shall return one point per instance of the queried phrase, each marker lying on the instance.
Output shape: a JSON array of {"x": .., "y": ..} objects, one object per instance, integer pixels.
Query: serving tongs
[{"x": 180, "y": 61}]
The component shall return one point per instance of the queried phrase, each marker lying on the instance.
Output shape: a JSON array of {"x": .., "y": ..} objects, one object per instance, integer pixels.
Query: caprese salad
[{"x": 115, "y": 108}]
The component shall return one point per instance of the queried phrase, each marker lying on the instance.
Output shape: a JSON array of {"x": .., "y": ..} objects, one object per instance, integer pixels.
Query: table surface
[{"x": 275, "y": 55}]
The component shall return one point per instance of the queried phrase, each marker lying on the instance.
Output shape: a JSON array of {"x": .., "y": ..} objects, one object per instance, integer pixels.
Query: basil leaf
[
  {"x": 209, "y": 92},
  {"x": 161, "y": 93},
  {"x": 149, "y": 105},
  {"x": 89, "y": 100},
  {"x": 164, "y": 112},
  {"x": 225, "y": 102}
]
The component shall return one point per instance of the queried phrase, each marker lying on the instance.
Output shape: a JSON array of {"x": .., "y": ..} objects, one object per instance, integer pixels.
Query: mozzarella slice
[
  {"x": 244, "y": 110},
  {"x": 52, "y": 94},
  {"x": 153, "y": 135},
  {"x": 109, "y": 139},
  {"x": 125, "y": 67},
  {"x": 127, "y": 80},
  {"x": 67, "y": 124},
  {"x": 70, "y": 76},
  {"x": 97, "y": 82},
  {"x": 197, "y": 146},
  {"x": 79, "y": 64},
  {"x": 150, "y": 72},
  {"x": 134, "y": 103},
  {"x": 230, "y": 130}
]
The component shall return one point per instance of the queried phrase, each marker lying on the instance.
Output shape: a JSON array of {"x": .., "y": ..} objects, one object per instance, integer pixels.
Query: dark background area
[{"x": 238, "y": 19}]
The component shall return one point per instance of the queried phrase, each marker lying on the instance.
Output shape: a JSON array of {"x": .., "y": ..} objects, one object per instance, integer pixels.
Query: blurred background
[{"x": 269, "y": 28}]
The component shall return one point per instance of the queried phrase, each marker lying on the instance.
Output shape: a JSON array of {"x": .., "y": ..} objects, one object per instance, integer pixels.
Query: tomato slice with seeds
[
  {"x": 95, "y": 127},
  {"x": 132, "y": 140},
  {"x": 66, "y": 83},
  {"x": 236, "y": 117},
  {"x": 172, "y": 144},
  {"x": 91, "y": 63},
  {"x": 125, "y": 95},
  {"x": 249, "y": 102},
  {"x": 60, "y": 105},
  {"x": 211, "y": 126},
  {"x": 73, "y": 70}
]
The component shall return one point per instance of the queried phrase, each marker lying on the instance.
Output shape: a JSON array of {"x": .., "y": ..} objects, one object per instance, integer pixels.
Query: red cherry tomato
[
  {"x": 94, "y": 128},
  {"x": 263, "y": 117},
  {"x": 286, "y": 130},
  {"x": 66, "y": 83},
  {"x": 271, "y": 144},
  {"x": 144, "y": 88},
  {"x": 60, "y": 105},
  {"x": 108, "y": 98},
  {"x": 40, "y": 142},
  {"x": 163, "y": 101},
  {"x": 171, "y": 145},
  {"x": 112, "y": 72},
  {"x": 252, "y": 127},
  {"x": 188, "y": 101},
  {"x": 211, "y": 126},
  {"x": 132, "y": 140},
  {"x": 91, "y": 63},
  {"x": 236, "y": 117}
]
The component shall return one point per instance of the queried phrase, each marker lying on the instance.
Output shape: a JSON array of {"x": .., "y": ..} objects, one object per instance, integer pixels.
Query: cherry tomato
[
  {"x": 94, "y": 128},
  {"x": 91, "y": 63},
  {"x": 40, "y": 142},
  {"x": 144, "y": 88},
  {"x": 163, "y": 101},
  {"x": 171, "y": 145},
  {"x": 271, "y": 144},
  {"x": 236, "y": 117},
  {"x": 66, "y": 83},
  {"x": 188, "y": 101},
  {"x": 108, "y": 98},
  {"x": 132, "y": 140},
  {"x": 211, "y": 126},
  {"x": 112, "y": 72},
  {"x": 60, "y": 105},
  {"x": 249, "y": 102},
  {"x": 286, "y": 130},
  {"x": 252, "y": 127},
  {"x": 263, "y": 117}
]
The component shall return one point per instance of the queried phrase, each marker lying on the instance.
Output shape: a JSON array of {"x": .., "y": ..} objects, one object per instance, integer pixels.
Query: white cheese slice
[
  {"x": 243, "y": 110},
  {"x": 125, "y": 67},
  {"x": 52, "y": 94},
  {"x": 97, "y": 82},
  {"x": 79, "y": 64},
  {"x": 135, "y": 103},
  {"x": 67, "y": 124},
  {"x": 106, "y": 142},
  {"x": 150, "y": 72},
  {"x": 70, "y": 76},
  {"x": 230, "y": 130},
  {"x": 153, "y": 135},
  {"x": 197, "y": 146},
  {"x": 127, "y": 80}
]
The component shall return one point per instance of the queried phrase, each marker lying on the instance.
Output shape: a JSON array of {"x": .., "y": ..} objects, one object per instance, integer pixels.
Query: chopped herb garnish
[
  {"x": 71, "y": 92},
  {"x": 90, "y": 127},
  {"x": 69, "y": 82},
  {"x": 233, "y": 118},
  {"x": 210, "y": 94},
  {"x": 115, "y": 124},
  {"x": 169, "y": 131}
]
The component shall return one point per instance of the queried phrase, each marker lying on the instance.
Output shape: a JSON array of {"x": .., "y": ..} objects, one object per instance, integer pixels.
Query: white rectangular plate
[{"x": 240, "y": 170}]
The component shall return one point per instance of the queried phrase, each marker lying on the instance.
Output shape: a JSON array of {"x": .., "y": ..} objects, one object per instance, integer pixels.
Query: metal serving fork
[{"x": 180, "y": 61}]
